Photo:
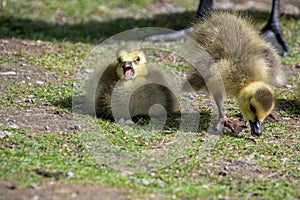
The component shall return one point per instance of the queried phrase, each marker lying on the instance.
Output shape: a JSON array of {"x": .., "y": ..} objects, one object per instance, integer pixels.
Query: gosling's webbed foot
[
  {"x": 229, "y": 126},
  {"x": 271, "y": 118},
  {"x": 233, "y": 127}
]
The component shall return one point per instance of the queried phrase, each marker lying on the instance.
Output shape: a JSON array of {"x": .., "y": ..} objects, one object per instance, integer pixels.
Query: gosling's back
[{"x": 241, "y": 54}]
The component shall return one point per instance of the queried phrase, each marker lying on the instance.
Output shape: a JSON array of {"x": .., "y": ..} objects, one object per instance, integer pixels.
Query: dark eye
[
  {"x": 138, "y": 59},
  {"x": 119, "y": 60},
  {"x": 252, "y": 109}
]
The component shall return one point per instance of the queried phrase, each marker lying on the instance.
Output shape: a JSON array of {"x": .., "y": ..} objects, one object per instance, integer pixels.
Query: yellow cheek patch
[{"x": 263, "y": 115}]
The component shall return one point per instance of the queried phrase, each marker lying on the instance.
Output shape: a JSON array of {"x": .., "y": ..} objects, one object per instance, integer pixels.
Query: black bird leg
[
  {"x": 273, "y": 32},
  {"x": 204, "y": 9}
]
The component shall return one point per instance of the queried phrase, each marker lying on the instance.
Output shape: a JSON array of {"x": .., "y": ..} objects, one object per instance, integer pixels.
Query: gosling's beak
[
  {"x": 127, "y": 64},
  {"x": 128, "y": 70},
  {"x": 256, "y": 127}
]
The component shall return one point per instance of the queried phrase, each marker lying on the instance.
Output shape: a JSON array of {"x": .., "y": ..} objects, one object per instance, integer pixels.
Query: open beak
[
  {"x": 256, "y": 127},
  {"x": 128, "y": 70}
]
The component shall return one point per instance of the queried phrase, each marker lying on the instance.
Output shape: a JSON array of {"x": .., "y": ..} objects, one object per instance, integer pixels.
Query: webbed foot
[
  {"x": 271, "y": 118},
  {"x": 229, "y": 126}
]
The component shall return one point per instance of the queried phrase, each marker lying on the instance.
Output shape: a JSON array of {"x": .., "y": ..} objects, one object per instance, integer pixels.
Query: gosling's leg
[
  {"x": 222, "y": 118},
  {"x": 225, "y": 125}
]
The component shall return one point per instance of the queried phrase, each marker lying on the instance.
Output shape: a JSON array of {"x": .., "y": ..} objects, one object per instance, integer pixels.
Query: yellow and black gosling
[
  {"x": 249, "y": 67},
  {"x": 129, "y": 79}
]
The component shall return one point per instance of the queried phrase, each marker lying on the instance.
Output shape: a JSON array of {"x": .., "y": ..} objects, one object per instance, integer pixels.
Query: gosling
[
  {"x": 128, "y": 89},
  {"x": 248, "y": 65}
]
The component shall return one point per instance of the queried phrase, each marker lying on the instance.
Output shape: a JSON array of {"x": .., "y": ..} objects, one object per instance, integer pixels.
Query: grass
[
  {"x": 234, "y": 166},
  {"x": 192, "y": 176}
]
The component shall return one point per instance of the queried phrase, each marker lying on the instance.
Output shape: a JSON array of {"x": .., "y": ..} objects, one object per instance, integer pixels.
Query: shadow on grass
[
  {"x": 95, "y": 31},
  {"x": 173, "y": 121},
  {"x": 89, "y": 32},
  {"x": 290, "y": 106},
  {"x": 64, "y": 103}
]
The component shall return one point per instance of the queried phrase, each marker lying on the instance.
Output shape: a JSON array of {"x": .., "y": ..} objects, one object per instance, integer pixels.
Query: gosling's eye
[
  {"x": 252, "y": 109},
  {"x": 119, "y": 60},
  {"x": 138, "y": 59}
]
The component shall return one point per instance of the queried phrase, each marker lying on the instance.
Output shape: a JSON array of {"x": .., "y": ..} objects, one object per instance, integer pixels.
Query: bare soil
[{"x": 60, "y": 190}]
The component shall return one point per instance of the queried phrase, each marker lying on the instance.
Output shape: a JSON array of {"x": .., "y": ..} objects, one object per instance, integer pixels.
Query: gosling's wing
[{"x": 275, "y": 66}]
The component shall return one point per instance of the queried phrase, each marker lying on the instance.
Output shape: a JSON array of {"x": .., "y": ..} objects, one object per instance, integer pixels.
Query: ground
[
  {"x": 42, "y": 152},
  {"x": 53, "y": 190}
]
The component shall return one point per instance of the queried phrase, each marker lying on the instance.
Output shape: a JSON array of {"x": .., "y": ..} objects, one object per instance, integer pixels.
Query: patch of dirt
[
  {"x": 243, "y": 169},
  {"x": 238, "y": 170},
  {"x": 17, "y": 70},
  {"x": 13, "y": 47},
  {"x": 60, "y": 190},
  {"x": 38, "y": 119}
]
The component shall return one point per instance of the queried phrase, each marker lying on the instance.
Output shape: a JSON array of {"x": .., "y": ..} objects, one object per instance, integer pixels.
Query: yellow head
[
  {"x": 131, "y": 65},
  {"x": 256, "y": 101}
]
